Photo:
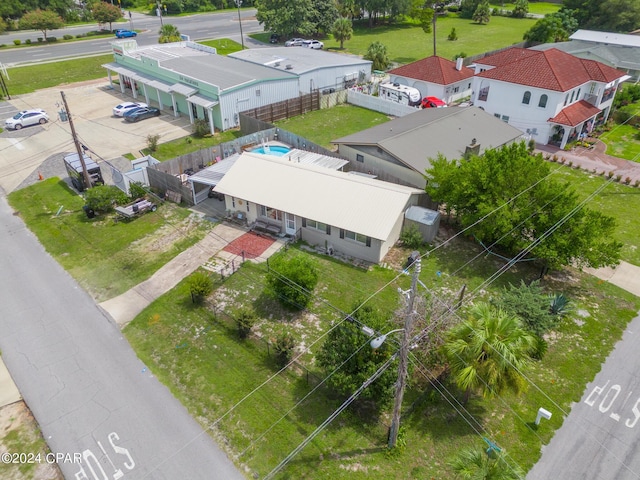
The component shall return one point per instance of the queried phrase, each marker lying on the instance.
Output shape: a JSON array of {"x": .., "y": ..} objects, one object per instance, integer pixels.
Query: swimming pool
[{"x": 275, "y": 150}]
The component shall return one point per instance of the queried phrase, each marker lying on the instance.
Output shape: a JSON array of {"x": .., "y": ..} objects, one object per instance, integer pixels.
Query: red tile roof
[
  {"x": 433, "y": 69},
  {"x": 549, "y": 69},
  {"x": 575, "y": 114}
]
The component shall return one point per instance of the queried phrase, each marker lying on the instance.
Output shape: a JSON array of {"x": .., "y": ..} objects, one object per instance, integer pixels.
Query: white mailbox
[{"x": 542, "y": 413}]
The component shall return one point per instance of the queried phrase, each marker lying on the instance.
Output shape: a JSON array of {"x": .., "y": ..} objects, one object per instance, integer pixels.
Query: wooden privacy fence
[{"x": 287, "y": 108}]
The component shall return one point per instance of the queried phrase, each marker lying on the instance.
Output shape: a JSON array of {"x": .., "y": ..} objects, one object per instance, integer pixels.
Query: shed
[{"x": 427, "y": 221}]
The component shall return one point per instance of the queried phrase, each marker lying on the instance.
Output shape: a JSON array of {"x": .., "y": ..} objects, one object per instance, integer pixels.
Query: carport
[{"x": 202, "y": 181}]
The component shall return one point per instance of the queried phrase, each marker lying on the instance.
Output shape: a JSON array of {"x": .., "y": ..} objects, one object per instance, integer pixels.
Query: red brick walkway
[{"x": 251, "y": 243}]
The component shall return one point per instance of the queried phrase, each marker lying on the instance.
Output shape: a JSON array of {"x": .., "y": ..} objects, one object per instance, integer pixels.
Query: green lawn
[
  {"x": 540, "y": 8},
  {"x": 105, "y": 257},
  {"x": 198, "y": 355},
  {"x": 35, "y": 77},
  {"x": 623, "y": 141},
  {"x": 617, "y": 200}
]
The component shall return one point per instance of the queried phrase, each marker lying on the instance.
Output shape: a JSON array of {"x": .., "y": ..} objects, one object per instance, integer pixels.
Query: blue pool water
[{"x": 275, "y": 150}]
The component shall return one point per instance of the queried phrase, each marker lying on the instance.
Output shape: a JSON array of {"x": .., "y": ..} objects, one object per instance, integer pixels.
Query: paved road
[
  {"x": 92, "y": 397},
  {"x": 600, "y": 439},
  {"x": 198, "y": 27}
]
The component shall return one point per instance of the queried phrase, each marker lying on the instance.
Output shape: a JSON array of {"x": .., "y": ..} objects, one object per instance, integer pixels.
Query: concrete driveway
[{"x": 91, "y": 104}]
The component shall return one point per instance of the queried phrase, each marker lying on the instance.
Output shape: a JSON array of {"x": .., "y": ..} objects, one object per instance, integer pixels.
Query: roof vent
[
  {"x": 289, "y": 66},
  {"x": 277, "y": 64}
]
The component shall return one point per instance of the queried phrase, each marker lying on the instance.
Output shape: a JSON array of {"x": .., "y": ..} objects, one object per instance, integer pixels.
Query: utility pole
[
  {"x": 239, "y": 3},
  {"x": 85, "y": 174},
  {"x": 434, "y": 29},
  {"x": 404, "y": 356}
]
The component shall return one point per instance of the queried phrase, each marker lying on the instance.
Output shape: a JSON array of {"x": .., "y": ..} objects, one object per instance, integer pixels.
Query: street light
[
  {"x": 159, "y": 12},
  {"x": 378, "y": 341},
  {"x": 239, "y": 3}
]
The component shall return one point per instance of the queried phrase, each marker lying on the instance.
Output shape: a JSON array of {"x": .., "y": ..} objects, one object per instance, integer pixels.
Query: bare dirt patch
[{"x": 19, "y": 433}]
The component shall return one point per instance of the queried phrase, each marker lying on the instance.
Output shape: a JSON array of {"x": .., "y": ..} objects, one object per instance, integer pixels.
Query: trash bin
[{"x": 63, "y": 115}]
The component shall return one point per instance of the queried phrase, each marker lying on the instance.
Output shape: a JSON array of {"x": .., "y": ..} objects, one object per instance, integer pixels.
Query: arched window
[
  {"x": 543, "y": 101},
  {"x": 526, "y": 98}
]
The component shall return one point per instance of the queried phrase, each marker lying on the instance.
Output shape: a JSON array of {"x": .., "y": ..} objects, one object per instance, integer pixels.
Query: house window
[
  {"x": 359, "y": 158},
  {"x": 270, "y": 213},
  {"x": 456, "y": 89},
  {"x": 247, "y": 206},
  {"x": 469, "y": 86},
  {"x": 258, "y": 93},
  {"x": 578, "y": 95},
  {"x": 526, "y": 98},
  {"x": 484, "y": 94},
  {"x": 356, "y": 237},
  {"x": 505, "y": 118},
  {"x": 572, "y": 95},
  {"x": 543, "y": 101},
  {"x": 233, "y": 202},
  {"x": 497, "y": 115},
  {"x": 566, "y": 99},
  {"x": 317, "y": 225}
]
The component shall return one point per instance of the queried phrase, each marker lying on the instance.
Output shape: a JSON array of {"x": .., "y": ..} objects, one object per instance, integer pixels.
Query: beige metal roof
[{"x": 352, "y": 202}]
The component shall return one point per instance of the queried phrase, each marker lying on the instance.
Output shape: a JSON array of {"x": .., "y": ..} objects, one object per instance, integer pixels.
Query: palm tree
[
  {"x": 488, "y": 351},
  {"x": 342, "y": 30},
  {"x": 474, "y": 464},
  {"x": 168, "y": 33},
  {"x": 377, "y": 53}
]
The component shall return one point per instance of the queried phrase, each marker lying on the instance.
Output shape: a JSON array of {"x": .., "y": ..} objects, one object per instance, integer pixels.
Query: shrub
[
  {"x": 284, "y": 346},
  {"x": 531, "y": 145},
  {"x": 539, "y": 349},
  {"x": 618, "y": 178},
  {"x": 292, "y": 280},
  {"x": 40, "y": 39},
  {"x": 453, "y": 35},
  {"x": 67, "y": 37},
  {"x": 52, "y": 39},
  {"x": 411, "y": 237},
  {"x": 554, "y": 158},
  {"x": 530, "y": 304},
  {"x": 82, "y": 35},
  {"x": 627, "y": 180},
  {"x": 3, "y": 45},
  {"x": 245, "y": 320},
  {"x": 17, "y": 42},
  {"x": 28, "y": 41},
  {"x": 559, "y": 304},
  {"x": 136, "y": 190},
  {"x": 637, "y": 183},
  {"x": 103, "y": 198},
  {"x": 200, "y": 128},
  {"x": 610, "y": 174},
  {"x": 152, "y": 142},
  {"x": 200, "y": 285}
]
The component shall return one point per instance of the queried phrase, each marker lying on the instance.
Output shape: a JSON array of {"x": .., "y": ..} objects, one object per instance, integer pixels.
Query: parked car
[
  {"x": 432, "y": 102},
  {"x": 141, "y": 114},
  {"x": 314, "y": 44},
  {"x": 120, "y": 110},
  {"x": 294, "y": 42},
  {"x": 274, "y": 38},
  {"x": 26, "y": 118},
  {"x": 125, "y": 33}
]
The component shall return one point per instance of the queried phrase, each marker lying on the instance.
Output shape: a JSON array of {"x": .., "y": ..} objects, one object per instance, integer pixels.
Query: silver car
[
  {"x": 26, "y": 118},
  {"x": 294, "y": 42}
]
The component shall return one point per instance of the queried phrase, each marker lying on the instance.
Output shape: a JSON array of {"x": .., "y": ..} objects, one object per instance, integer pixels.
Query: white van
[{"x": 402, "y": 94}]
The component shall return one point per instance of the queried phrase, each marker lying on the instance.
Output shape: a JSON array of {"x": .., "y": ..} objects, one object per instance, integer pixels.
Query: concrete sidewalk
[
  {"x": 9, "y": 392},
  {"x": 625, "y": 276},
  {"x": 125, "y": 307}
]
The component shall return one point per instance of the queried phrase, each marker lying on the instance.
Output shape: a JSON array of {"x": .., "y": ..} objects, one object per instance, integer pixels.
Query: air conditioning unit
[{"x": 289, "y": 67}]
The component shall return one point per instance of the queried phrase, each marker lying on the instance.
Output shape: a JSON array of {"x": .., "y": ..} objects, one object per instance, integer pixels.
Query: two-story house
[{"x": 550, "y": 95}]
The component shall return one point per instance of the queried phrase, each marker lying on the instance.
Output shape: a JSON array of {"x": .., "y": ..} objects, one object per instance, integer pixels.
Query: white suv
[{"x": 26, "y": 118}]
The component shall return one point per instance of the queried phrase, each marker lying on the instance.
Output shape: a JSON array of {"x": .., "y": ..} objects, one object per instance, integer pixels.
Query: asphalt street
[
  {"x": 198, "y": 27},
  {"x": 102, "y": 412},
  {"x": 600, "y": 439}
]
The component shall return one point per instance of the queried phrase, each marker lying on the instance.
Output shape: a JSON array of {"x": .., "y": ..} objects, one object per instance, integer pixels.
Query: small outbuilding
[{"x": 427, "y": 221}]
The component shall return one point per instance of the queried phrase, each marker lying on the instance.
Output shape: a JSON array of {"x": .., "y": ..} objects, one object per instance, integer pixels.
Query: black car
[
  {"x": 274, "y": 38},
  {"x": 141, "y": 113}
]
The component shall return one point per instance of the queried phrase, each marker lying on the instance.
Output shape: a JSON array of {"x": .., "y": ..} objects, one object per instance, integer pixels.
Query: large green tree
[
  {"x": 349, "y": 339},
  {"x": 289, "y": 18},
  {"x": 488, "y": 351},
  {"x": 607, "y": 15},
  {"x": 323, "y": 16},
  {"x": 520, "y": 9},
  {"x": 554, "y": 27},
  {"x": 523, "y": 205},
  {"x": 106, "y": 13},
  {"x": 42, "y": 20}
]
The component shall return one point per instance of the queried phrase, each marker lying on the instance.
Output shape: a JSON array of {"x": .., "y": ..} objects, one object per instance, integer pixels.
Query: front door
[{"x": 289, "y": 224}]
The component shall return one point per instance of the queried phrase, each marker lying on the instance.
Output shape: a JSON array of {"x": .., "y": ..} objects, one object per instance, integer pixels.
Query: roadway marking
[
  {"x": 609, "y": 399},
  {"x": 16, "y": 143},
  {"x": 94, "y": 470}
]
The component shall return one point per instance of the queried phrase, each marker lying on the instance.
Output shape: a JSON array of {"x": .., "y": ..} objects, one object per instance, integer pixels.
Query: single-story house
[
  {"x": 344, "y": 213},
  {"x": 400, "y": 150},
  {"x": 436, "y": 77},
  {"x": 192, "y": 79},
  {"x": 316, "y": 69}
]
